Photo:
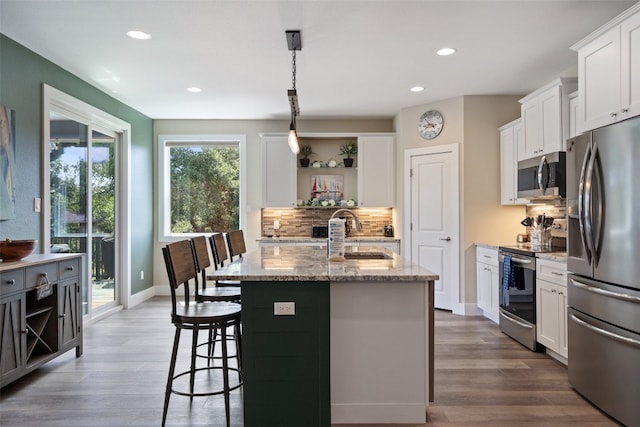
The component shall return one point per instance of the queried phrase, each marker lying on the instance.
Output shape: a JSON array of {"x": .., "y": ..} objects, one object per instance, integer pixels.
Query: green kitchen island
[{"x": 334, "y": 342}]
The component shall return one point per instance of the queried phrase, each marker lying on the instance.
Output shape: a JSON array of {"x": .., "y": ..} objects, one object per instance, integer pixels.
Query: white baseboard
[
  {"x": 162, "y": 290},
  {"x": 141, "y": 297}
]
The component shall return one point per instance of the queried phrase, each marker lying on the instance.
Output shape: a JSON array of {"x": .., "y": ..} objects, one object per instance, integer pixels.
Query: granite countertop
[
  {"x": 553, "y": 256},
  {"x": 301, "y": 239},
  {"x": 310, "y": 263}
]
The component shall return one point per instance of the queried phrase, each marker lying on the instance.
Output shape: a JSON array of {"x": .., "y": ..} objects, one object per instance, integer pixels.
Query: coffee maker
[{"x": 388, "y": 230}]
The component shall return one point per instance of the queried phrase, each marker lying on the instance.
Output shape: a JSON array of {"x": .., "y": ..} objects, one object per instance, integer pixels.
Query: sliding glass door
[{"x": 83, "y": 203}]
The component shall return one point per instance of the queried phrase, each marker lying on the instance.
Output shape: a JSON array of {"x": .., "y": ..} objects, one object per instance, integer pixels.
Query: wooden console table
[{"x": 34, "y": 331}]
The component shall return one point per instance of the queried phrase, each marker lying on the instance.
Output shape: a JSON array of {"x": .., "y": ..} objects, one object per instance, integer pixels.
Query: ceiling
[{"x": 358, "y": 58}]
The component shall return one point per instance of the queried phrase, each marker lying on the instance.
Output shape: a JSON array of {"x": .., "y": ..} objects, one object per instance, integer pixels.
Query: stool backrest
[
  {"x": 201, "y": 255},
  {"x": 219, "y": 249},
  {"x": 235, "y": 240},
  {"x": 181, "y": 268}
]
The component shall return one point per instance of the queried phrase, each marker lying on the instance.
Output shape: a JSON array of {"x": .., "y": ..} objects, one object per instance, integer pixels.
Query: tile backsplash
[{"x": 297, "y": 222}]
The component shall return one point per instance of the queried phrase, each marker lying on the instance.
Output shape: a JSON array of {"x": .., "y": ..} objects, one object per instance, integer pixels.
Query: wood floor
[{"x": 482, "y": 378}]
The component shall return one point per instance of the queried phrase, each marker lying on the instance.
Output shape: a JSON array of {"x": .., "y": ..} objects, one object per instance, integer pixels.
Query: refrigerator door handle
[
  {"x": 604, "y": 332},
  {"x": 581, "y": 203},
  {"x": 588, "y": 208},
  {"x": 624, "y": 297},
  {"x": 599, "y": 205}
]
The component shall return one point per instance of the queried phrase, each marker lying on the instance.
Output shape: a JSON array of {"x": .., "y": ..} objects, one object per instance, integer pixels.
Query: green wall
[{"x": 22, "y": 73}]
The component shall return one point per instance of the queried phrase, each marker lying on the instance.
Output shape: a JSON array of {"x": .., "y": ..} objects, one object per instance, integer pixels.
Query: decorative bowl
[{"x": 14, "y": 250}]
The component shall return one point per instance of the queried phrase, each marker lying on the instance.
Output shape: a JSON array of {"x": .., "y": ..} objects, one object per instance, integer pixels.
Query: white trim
[
  {"x": 457, "y": 306},
  {"x": 85, "y": 113},
  {"x": 163, "y": 178}
]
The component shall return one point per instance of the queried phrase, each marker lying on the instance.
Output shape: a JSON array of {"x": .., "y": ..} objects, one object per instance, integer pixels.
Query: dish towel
[{"x": 507, "y": 274}]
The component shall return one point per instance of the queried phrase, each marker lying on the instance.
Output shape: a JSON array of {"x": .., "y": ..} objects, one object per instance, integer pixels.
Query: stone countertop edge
[
  {"x": 309, "y": 264},
  {"x": 553, "y": 256},
  {"x": 487, "y": 245},
  {"x": 301, "y": 239}
]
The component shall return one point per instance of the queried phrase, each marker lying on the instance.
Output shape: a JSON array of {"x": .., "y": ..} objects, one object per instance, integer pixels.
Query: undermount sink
[{"x": 366, "y": 255}]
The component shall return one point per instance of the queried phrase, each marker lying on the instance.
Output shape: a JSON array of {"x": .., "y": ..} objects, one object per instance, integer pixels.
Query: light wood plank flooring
[{"x": 482, "y": 378}]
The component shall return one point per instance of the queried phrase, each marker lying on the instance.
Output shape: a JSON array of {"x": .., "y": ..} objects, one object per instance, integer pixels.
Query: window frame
[{"x": 165, "y": 142}]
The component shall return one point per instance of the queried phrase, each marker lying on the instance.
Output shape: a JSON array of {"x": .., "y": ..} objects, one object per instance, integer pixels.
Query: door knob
[{"x": 447, "y": 239}]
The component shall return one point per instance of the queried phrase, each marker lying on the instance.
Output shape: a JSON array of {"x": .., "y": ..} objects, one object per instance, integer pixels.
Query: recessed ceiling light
[
  {"x": 138, "y": 35},
  {"x": 417, "y": 89},
  {"x": 446, "y": 51},
  {"x": 194, "y": 89}
]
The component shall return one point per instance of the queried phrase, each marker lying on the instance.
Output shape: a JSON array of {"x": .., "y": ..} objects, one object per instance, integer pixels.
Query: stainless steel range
[{"x": 518, "y": 292}]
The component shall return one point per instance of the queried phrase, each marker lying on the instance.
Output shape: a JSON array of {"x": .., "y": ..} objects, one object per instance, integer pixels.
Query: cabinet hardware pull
[
  {"x": 24, "y": 331},
  {"x": 62, "y": 316},
  {"x": 447, "y": 239},
  {"x": 556, "y": 273},
  {"x": 487, "y": 256},
  {"x": 11, "y": 282},
  {"x": 70, "y": 268},
  {"x": 553, "y": 291},
  {"x": 614, "y": 114},
  {"x": 625, "y": 110}
]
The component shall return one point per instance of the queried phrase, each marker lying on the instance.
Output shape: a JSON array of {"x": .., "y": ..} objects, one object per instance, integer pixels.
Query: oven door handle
[
  {"x": 605, "y": 332},
  {"x": 517, "y": 260},
  {"x": 511, "y": 319}
]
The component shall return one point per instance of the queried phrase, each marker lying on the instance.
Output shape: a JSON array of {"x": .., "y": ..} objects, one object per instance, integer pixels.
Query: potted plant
[
  {"x": 348, "y": 150},
  {"x": 305, "y": 152}
]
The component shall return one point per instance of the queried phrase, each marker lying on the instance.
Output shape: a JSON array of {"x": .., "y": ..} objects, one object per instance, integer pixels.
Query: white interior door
[{"x": 434, "y": 225}]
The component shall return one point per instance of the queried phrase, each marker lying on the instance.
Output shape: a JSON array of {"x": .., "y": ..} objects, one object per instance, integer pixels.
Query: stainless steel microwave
[{"x": 543, "y": 177}]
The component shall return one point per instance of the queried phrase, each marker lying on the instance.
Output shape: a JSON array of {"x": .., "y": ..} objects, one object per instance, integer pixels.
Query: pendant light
[{"x": 294, "y": 43}]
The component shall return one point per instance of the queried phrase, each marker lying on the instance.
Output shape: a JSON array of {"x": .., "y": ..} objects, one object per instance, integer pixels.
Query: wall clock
[{"x": 430, "y": 124}]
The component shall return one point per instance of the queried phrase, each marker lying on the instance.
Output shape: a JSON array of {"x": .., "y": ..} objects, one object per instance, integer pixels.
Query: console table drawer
[
  {"x": 35, "y": 273},
  {"x": 11, "y": 281},
  {"x": 69, "y": 268}
]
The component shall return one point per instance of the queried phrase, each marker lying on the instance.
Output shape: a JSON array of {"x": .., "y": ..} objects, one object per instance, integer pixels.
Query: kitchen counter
[
  {"x": 346, "y": 342},
  {"x": 553, "y": 256},
  {"x": 309, "y": 263},
  {"x": 301, "y": 239}
]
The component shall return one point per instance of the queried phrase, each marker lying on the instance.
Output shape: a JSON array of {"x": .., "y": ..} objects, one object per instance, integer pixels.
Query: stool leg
[
  {"x": 225, "y": 371},
  {"x": 238, "y": 336},
  {"x": 192, "y": 375},
  {"x": 172, "y": 367}
]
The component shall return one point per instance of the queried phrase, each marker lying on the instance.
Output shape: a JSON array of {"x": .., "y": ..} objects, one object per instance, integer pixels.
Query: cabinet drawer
[
  {"x": 487, "y": 256},
  {"x": 69, "y": 268},
  {"x": 34, "y": 274},
  {"x": 551, "y": 271},
  {"x": 11, "y": 281}
]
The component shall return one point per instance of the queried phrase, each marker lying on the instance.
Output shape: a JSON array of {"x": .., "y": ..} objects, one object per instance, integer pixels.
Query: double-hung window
[{"x": 200, "y": 184}]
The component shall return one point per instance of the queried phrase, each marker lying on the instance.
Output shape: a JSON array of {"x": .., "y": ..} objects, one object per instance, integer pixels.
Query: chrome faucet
[{"x": 349, "y": 211}]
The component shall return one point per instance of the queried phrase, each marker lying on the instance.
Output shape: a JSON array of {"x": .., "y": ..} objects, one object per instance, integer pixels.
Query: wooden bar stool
[
  {"x": 181, "y": 269},
  {"x": 235, "y": 241}
]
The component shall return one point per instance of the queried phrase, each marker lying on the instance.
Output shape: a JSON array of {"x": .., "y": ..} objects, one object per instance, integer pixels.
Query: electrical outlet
[
  {"x": 141, "y": 274},
  {"x": 276, "y": 225},
  {"x": 37, "y": 204},
  {"x": 284, "y": 308}
]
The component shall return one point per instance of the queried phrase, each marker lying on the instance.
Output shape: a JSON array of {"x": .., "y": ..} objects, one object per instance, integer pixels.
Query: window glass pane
[{"x": 205, "y": 188}]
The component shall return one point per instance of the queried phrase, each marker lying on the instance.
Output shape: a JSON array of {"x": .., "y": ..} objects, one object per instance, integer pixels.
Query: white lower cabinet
[
  {"x": 488, "y": 282},
  {"x": 551, "y": 307}
]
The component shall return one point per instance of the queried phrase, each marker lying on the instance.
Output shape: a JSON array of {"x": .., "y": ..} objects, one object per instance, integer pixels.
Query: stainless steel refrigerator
[{"x": 603, "y": 206}]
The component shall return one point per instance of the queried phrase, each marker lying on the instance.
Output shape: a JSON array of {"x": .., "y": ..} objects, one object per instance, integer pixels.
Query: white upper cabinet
[
  {"x": 376, "y": 172},
  {"x": 278, "y": 172},
  {"x": 609, "y": 72},
  {"x": 545, "y": 119},
  {"x": 573, "y": 113},
  {"x": 510, "y": 137}
]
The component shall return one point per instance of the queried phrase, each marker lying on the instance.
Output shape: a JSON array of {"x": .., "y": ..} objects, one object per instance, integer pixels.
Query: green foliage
[
  {"x": 306, "y": 151},
  {"x": 205, "y": 189},
  {"x": 349, "y": 149}
]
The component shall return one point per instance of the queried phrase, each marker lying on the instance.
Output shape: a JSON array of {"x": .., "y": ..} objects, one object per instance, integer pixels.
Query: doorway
[
  {"x": 432, "y": 218},
  {"x": 83, "y": 204}
]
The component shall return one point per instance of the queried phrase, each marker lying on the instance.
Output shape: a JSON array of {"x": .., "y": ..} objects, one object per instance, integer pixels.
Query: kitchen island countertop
[{"x": 309, "y": 263}]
